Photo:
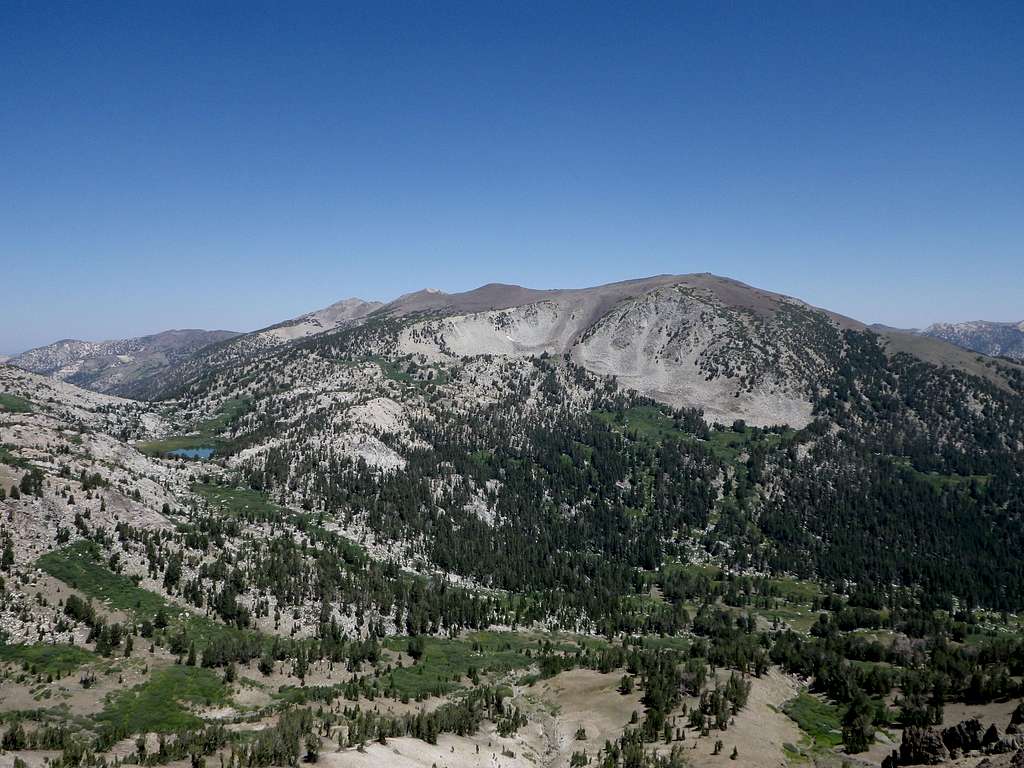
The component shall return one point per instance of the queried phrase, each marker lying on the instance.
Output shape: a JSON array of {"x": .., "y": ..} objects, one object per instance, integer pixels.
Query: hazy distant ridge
[
  {"x": 989, "y": 338},
  {"x": 106, "y": 366}
]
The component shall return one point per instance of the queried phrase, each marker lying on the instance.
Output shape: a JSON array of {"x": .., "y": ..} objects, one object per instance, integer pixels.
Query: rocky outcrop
[
  {"x": 922, "y": 746},
  {"x": 992, "y": 735},
  {"x": 1003, "y": 744},
  {"x": 965, "y": 736},
  {"x": 926, "y": 746}
]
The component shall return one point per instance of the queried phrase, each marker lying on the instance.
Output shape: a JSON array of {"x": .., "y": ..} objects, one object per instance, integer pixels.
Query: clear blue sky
[{"x": 230, "y": 165}]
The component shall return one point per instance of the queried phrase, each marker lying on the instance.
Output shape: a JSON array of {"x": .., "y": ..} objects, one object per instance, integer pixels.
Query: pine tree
[{"x": 7, "y": 558}]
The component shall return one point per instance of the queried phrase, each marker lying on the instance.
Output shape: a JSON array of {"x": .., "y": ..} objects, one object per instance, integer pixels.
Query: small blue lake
[{"x": 192, "y": 453}]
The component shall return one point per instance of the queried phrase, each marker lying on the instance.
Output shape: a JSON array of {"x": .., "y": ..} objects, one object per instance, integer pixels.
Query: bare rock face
[
  {"x": 922, "y": 746},
  {"x": 689, "y": 341}
]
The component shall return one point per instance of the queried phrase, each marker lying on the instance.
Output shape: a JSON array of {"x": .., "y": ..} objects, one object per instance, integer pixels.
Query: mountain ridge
[
  {"x": 671, "y": 337},
  {"x": 105, "y": 365},
  {"x": 689, "y": 340},
  {"x": 996, "y": 339}
]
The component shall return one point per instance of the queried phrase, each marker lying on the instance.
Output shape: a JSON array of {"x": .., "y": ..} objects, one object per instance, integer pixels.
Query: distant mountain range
[
  {"x": 123, "y": 366},
  {"x": 111, "y": 366},
  {"x": 989, "y": 338}
]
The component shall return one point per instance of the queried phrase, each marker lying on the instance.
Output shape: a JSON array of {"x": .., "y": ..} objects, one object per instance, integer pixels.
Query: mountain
[
  {"x": 416, "y": 386},
  {"x": 134, "y": 367},
  {"x": 461, "y": 523},
  {"x": 700, "y": 341},
  {"x": 994, "y": 339},
  {"x": 168, "y": 381},
  {"x": 690, "y": 341},
  {"x": 112, "y": 366},
  {"x": 931, "y": 349},
  {"x": 433, "y": 377}
]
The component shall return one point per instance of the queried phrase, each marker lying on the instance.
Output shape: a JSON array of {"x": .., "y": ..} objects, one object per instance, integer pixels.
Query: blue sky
[{"x": 231, "y": 165}]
